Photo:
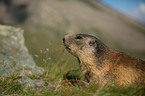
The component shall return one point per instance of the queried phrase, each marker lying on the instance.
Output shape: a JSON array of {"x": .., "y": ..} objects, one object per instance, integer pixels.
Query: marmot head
[{"x": 79, "y": 44}]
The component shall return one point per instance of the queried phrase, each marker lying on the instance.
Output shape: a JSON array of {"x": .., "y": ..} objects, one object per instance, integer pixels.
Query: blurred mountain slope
[{"x": 52, "y": 19}]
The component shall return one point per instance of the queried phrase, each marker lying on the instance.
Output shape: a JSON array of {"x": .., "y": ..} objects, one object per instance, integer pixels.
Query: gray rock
[
  {"x": 54, "y": 83},
  {"x": 14, "y": 56},
  {"x": 27, "y": 82}
]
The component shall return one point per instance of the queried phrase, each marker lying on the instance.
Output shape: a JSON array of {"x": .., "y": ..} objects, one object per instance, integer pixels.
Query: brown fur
[{"x": 102, "y": 64}]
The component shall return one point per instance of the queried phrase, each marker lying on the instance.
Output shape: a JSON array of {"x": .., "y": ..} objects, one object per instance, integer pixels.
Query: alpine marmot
[{"x": 103, "y": 64}]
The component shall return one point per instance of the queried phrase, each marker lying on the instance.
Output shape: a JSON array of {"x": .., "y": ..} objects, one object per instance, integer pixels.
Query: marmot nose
[{"x": 63, "y": 40}]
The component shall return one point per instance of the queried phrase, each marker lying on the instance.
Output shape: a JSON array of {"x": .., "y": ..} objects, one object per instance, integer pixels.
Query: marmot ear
[{"x": 93, "y": 43}]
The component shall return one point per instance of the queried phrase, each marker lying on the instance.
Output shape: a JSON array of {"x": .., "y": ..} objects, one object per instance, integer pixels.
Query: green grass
[
  {"x": 10, "y": 87},
  {"x": 52, "y": 56},
  {"x": 54, "y": 74},
  {"x": 65, "y": 89}
]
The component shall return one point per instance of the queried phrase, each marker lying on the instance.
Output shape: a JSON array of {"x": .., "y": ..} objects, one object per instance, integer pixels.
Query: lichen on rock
[{"x": 14, "y": 56}]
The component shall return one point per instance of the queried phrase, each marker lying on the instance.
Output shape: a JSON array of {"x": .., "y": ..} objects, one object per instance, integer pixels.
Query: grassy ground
[
  {"x": 64, "y": 89},
  {"x": 52, "y": 56},
  {"x": 54, "y": 73}
]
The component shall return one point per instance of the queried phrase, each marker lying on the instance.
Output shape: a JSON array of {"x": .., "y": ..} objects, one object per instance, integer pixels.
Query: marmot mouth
[
  {"x": 66, "y": 45},
  {"x": 67, "y": 48}
]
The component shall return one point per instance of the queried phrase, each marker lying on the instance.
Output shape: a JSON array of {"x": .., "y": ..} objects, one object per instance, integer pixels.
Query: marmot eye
[{"x": 78, "y": 37}]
